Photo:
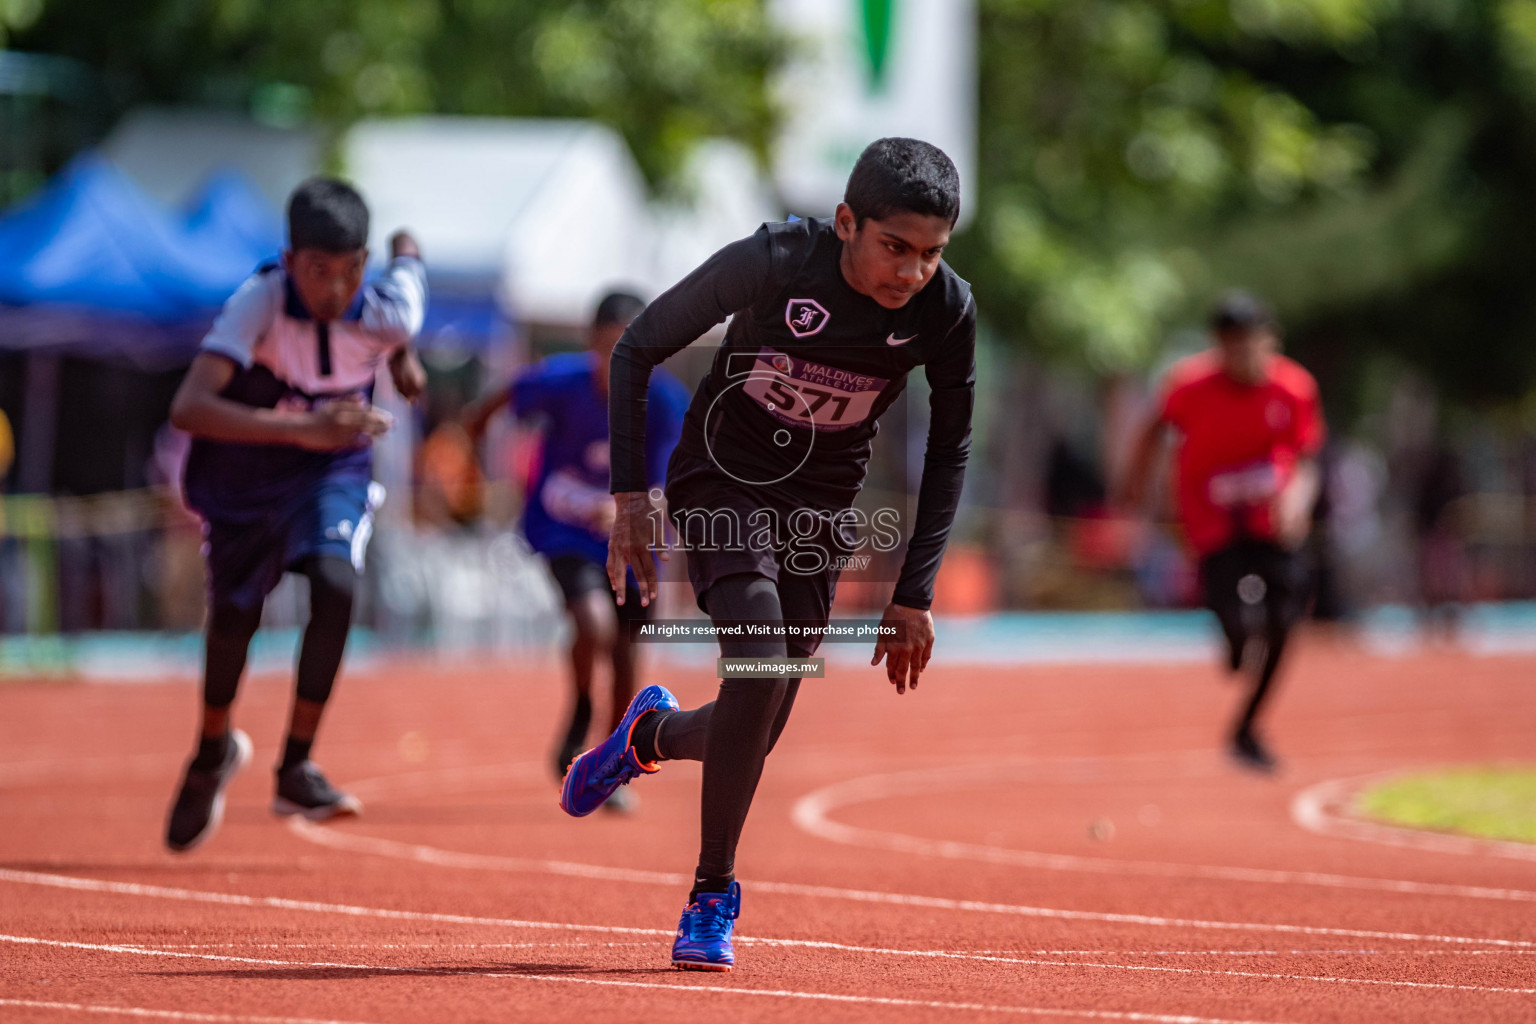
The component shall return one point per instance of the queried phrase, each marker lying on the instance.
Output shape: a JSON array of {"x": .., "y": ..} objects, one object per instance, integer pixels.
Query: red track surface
[{"x": 961, "y": 877}]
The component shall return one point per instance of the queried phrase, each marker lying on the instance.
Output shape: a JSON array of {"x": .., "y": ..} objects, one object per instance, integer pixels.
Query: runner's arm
[
  {"x": 1132, "y": 490},
  {"x": 952, "y": 378},
  {"x": 729, "y": 281},
  {"x": 1294, "y": 504},
  {"x": 478, "y": 415},
  {"x": 395, "y": 306},
  {"x": 200, "y": 409}
]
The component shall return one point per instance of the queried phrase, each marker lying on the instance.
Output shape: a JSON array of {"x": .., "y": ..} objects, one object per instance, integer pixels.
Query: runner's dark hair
[
  {"x": 895, "y": 175},
  {"x": 327, "y": 214},
  {"x": 617, "y": 308}
]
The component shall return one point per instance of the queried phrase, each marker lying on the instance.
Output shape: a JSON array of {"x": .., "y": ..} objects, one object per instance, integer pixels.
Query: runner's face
[
  {"x": 891, "y": 260},
  {"x": 1245, "y": 355},
  {"x": 327, "y": 282}
]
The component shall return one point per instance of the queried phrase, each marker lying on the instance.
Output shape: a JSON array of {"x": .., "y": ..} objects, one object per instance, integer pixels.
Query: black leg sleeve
[
  {"x": 230, "y": 629},
  {"x": 1219, "y": 574},
  {"x": 331, "y": 584},
  {"x": 1287, "y": 584},
  {"x": 733, "y": 734}
]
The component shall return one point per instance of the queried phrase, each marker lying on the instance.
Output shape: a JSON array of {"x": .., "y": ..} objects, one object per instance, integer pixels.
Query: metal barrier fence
[{"x": 132, "y": 561}]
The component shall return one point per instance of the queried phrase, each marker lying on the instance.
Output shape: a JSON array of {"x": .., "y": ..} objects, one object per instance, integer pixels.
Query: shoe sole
[
  {"x": 350, "y": 807},
  {"x": 243, "y": 751},
  {"x": 694, "y": 965}
]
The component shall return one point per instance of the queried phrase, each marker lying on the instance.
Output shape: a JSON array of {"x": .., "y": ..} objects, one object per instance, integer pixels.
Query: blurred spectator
[
  {"x": 12, "y": 580},
  {"x": 7, "y": 449},
  {"x": 1444, "y": 569}
]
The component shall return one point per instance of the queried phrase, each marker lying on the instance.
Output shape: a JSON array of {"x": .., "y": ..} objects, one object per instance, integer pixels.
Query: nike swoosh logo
[{"x": 891, "y": 339}]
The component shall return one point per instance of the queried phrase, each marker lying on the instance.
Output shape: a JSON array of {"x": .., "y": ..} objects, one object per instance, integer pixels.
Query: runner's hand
[
  {"x": 630, "y": 544},
  {"x": 409, "y": 376},
  {"x": 403, "y": 243},
  {"x": 344, "y": 423},
  {"x": 907, "y": 656}
]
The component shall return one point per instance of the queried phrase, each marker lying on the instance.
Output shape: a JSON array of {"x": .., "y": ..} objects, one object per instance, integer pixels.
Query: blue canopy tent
[
  {"x": 92, "y": 269},
  {"x": 92, "y": 241},
  {"x": 228, "y": 213}
]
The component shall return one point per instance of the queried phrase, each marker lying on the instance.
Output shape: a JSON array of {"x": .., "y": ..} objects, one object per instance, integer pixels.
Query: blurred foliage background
[{"x": 1365, "y": 163}]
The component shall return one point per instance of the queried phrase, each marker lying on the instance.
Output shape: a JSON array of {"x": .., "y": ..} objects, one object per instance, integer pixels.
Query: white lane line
[
  {"x": 391, "y": 945},
  {"x": 144, "y": 1011},
  {"x": 1145, "y": 968},
  {"x": 812, "y": 813},
  {"x": 432, "y": 780},
  {"x": 310, "y": 906},
  {"x": 1323, "y": 809},
  {"x": 351, "y": 843},
  {"x": 281, "y": 903},
  {"x": 141, "y": 890},
  {"x": 1036, "y": 1011},
  {"x": 1240, "y": 952}
]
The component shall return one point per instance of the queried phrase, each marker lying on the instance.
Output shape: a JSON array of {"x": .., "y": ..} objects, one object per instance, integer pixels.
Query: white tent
[
  {"x": 171, "y": 151},
  {"x": 559, "y": 208}
]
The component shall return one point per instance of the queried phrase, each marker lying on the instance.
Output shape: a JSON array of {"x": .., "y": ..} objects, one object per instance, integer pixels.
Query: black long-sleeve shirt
[{"x": 789, "y": 408}]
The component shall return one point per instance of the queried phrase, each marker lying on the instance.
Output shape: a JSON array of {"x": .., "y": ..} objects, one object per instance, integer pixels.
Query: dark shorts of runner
[
  {"x": 714, "y": 519},
  {"x": 246, "y": 560},
  {"x": 1286, "y": 579},
  {"x": 577, "y": 576}
]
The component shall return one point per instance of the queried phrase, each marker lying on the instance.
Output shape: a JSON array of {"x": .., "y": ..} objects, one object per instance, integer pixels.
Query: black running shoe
[
  {"x": 1247, "y": 751},
  {"x": 199, "y": 806},
  {"x": 304, "y": 789}
]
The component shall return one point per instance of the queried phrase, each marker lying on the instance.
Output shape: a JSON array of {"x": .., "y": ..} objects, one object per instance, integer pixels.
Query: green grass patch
[{"x": 1490, "y": 803}]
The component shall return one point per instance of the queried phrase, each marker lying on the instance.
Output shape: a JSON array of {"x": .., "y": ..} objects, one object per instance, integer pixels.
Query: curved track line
[
  {"x": 144, "y": 1011},
  {"x": 283, "y": 903},
  {"x": 350, "y": 842},
  {"x": 1033, "y": 1011},
  {"x": 812, "y": 814},
  {"x": 1320, "y": 809}
]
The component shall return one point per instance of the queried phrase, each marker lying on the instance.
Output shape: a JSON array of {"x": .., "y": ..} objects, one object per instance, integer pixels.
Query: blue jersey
[
  {"x": 571, "y": 480},
  {"x": 286, "y": 359}
]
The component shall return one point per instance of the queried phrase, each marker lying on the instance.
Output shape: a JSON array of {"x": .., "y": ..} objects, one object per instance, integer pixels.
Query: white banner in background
[{"x": 863, "y": 69}]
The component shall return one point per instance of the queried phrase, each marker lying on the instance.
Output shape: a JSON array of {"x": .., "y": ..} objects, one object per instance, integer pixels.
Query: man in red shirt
[{"x": 1249, "y": 429}]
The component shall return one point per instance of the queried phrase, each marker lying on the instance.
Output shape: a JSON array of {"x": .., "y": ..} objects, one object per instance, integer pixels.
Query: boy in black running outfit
[{"x": 829, "y": 318}]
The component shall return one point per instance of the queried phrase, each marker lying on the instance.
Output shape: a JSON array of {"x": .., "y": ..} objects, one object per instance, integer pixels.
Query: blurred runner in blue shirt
[{"x": 569, "y": 508}]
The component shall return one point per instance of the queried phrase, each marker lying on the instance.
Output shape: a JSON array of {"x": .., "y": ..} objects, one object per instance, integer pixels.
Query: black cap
[{"x": 1239, "y": 311}]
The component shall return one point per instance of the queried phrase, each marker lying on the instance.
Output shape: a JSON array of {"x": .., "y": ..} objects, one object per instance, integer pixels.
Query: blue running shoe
[
  {"x": 592, "y": 777},
  {"x": 703, "y": 940}
]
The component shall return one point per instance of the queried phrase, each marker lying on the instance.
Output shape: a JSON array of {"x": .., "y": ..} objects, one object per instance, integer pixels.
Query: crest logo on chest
[{"x": 805, "y": 317}]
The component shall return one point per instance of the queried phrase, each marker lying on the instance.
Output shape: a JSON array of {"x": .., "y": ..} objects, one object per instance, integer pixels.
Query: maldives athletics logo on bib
[{"x": 805, "y": 317}]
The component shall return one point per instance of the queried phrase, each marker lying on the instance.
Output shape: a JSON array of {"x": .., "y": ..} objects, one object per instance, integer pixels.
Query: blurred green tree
[
  {"x": 1361, "y": 162},
  {"x": 1365, "y": 163},
  {"x": 663, "y": 72}
]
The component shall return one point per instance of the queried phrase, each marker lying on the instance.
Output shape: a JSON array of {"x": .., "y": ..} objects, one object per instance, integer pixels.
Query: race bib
[
  {"x": 1255, "y": 484},
  {"x": 806, "y": 394}
]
